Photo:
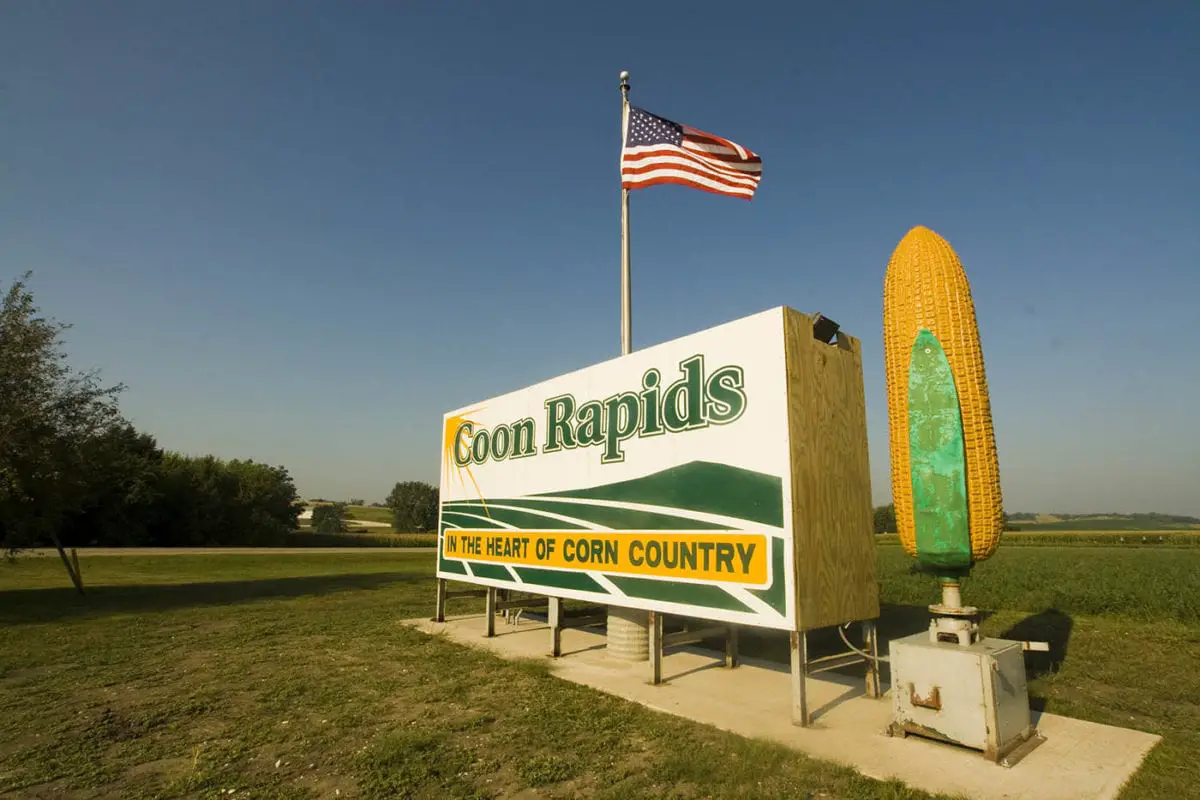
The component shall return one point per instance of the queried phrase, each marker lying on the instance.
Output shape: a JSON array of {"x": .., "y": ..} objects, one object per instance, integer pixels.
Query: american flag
[{"x": 658, "y": 150}]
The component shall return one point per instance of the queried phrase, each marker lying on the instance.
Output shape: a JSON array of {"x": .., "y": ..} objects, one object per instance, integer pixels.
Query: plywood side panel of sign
[{"x": 830, "y": 478}]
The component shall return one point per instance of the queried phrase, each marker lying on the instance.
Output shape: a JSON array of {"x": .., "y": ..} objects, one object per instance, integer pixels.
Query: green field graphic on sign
[{"x": 685, "y": 498}]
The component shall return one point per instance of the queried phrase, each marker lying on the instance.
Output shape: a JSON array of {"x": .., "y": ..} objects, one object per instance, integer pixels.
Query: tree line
[{"x": 74, "y": 471}]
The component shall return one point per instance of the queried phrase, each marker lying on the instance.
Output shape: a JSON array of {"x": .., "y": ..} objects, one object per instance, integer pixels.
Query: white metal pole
[
  {"x": 951, "y": 595},
  {"x": 626, "y": 288},
  {"x": 628, "y": 629}
]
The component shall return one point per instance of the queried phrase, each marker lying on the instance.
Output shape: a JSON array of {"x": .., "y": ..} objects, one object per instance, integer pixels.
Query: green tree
[
  {"x": 414, "y": 506},
  {"x": 121, "y": 491},
  {"x": 330, "y": 518},
  {"x": 73, "y": 472},
  {"x": 49, "y": 413},
  {"x": 270, "y": 505},
  {"x": 206, "y": 501},
  {"x": 197, "y": 497},
  {"x": 885, "y": 518}
]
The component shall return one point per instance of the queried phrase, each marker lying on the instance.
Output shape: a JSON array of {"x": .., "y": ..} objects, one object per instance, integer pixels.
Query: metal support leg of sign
[
  {"x": 660, "y": 642},
  {"x": 871, "y": 644},
  {"x": 502, "y": 596},
  {"x": 439, "y": 613},
  {"x": 491, "y": 612},
  {"x": 656, "y": 647},
  {"x": 555, "y": 618},
  {"x": 799, "y": 648}
]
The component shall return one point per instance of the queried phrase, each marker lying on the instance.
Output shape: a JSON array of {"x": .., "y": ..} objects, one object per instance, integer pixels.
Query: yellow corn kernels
[{"x": 926, "y": 287}]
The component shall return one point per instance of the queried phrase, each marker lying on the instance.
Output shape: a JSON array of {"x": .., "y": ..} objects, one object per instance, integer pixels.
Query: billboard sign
[{"x": 657, "y": 480}]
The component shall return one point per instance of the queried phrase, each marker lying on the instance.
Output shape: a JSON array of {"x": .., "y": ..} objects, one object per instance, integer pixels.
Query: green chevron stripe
[
  {"x": 699, "y": 486},
  {"x": 470, "y": 522},
  {"x": 613, "y": 518},
  {"x": 451, "y": 566},
  {"x": 524, "y": 520},
  {"x": 775, "y": 595},
  {"x": 496, "y": 572},
  {"x": 560, "y": 579},
  {"x": 693, "y": 594},
  {"x": 455, "y": 567}
]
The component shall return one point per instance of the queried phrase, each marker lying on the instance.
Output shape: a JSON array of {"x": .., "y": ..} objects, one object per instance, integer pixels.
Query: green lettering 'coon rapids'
[{"x": 694, "y": 401}]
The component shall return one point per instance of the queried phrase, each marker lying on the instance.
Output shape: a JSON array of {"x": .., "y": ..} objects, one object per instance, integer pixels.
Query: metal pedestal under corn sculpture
[{"x": 950, "y": 683}]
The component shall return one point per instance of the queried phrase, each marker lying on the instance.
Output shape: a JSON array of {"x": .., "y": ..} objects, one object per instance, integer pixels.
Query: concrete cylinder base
[{"x": 628, "y": 634}]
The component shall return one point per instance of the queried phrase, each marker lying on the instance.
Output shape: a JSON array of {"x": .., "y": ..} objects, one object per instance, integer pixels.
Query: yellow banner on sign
[{"x": 724, "y": 556}]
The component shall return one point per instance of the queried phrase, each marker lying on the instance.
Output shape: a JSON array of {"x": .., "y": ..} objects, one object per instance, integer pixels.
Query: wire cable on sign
[{"x": 868, "y": 656}]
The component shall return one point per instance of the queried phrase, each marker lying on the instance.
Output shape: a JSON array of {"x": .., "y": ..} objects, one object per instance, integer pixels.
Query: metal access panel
[{"x": 974, "y": 696}]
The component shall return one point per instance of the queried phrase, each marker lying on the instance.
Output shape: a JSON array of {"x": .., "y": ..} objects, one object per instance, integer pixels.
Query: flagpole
[
  {"x": 628, "y": 629},
  {"x": 626, "y": 288}
]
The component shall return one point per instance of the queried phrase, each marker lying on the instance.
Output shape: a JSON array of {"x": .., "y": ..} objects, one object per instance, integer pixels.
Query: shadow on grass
[
  {"x": 29, "y": 606},
  {"x": 1051, "y": 626}
]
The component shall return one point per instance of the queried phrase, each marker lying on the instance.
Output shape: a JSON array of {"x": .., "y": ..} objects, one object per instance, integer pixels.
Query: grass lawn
[
  {"x": 288, "y": 676},
  {"x": 1138, "y": 524}
]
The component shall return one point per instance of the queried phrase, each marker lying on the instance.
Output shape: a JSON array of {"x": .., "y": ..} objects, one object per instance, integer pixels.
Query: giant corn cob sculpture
[{"x": 945, "y": 475}]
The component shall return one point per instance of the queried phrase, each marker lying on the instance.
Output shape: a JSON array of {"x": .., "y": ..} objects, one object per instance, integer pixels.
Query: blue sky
[{"x": 300, "y": 232}]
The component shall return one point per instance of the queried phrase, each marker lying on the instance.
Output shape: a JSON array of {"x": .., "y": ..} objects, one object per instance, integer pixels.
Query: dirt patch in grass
[{"x": 13, "y": 680}]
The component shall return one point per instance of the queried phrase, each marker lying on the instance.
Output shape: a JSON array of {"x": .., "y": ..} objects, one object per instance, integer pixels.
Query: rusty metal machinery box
[{"x": 973, "y": 695}]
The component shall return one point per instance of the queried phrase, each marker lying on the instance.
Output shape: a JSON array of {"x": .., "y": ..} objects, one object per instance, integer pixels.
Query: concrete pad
[{"x": 1077, "y": 761}]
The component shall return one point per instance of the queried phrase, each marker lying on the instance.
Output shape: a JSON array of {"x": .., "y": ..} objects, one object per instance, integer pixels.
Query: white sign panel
[{"x": 657, "y": 480}]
